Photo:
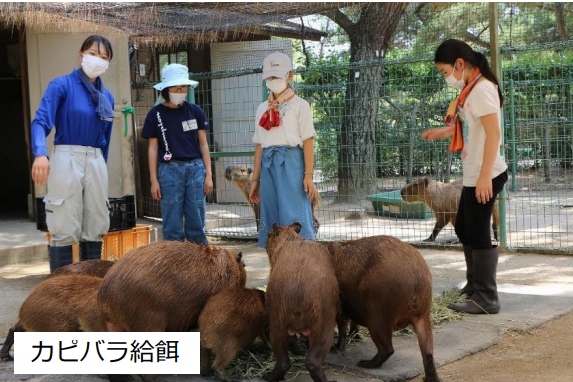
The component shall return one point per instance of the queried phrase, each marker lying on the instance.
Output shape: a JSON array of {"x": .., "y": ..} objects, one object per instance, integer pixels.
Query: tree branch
[
  {"x": 341, "y": 19},
  {"x": 477, "y": 40}
]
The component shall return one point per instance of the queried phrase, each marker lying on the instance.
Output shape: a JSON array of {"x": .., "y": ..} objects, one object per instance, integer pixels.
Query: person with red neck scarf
[
  {"x": 284, "y": 155},
  {"x": 474, "y": 122}
]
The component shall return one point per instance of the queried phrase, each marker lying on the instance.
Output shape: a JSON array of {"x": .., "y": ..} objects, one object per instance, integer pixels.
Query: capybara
[
  {"x": 443, "y": 199},
  {"x": 242, "y": 176},
  {"x": 302, "y": 297},
  {"x": 96, "y": 268},
  {"x": 163, "y": 286},
  {"x": 66, "y": 303},
  {"x": 230, "y": 320},
  {"x": 386, "y": 285}
]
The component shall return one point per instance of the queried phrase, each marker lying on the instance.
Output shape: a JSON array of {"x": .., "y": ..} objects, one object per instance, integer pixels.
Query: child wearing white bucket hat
[
  {"x": 284, "y": 154},
  {"x": 177, "y": 133}
]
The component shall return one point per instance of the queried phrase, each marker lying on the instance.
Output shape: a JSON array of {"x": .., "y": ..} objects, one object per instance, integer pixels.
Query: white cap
[
  {"x": 276, "y": 65},
  {"x": 175, "y": 75}
]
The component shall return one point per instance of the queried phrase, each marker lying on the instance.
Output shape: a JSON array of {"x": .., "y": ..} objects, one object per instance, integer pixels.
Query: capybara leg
[
  {"x": 113, "y": 327},
  {"x": 381, "y": 334},
  {"x": 440, "y": 223},
  {"x": 206, "y": 369},
  {"x": 319, "y": 346},
  {"x": 423, "y": 328},
  {"x": 342, "y": 324},
  {"x": 279, "y": 344},
  {"x": 294, "y": 347},
  {"x": 224, "y": 355},
  {"x": 353, "y": 332},
  {"x": 5, "y": 351}
]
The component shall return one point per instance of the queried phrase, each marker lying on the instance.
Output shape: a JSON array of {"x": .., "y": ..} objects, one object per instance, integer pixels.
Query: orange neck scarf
[
  {"x": 452, "y": 117},
  {"x": 271, "y": 118}
]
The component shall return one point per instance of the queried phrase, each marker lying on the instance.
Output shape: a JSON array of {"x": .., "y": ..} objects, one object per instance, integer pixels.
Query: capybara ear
[
  {"x": 239, "y": 257},
  {"x": 426, "y": 181},
  {"x": 275, "y": 226},
  {"x": 249, "y": 171},
  {"x": 296, "y": 226}
]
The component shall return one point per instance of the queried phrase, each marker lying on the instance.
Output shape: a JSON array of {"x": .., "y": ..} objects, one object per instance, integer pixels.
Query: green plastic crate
[{"x": 391, "y": 204}]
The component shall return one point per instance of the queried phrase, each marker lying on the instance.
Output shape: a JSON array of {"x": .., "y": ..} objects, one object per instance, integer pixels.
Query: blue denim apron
[{"x": 283, "y": 199}]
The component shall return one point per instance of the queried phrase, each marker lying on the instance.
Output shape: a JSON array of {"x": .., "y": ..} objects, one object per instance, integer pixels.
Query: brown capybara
[
  {"x": 230, "y": 320},
  {"x": 96, "y": 268},
  {"x": 443, "y": 199},
  {"x": 66, "y": 303},
  {"x": 242, "y": 176},
  {"x": 385, "y": 285},
  {"x": 163, "y": 286},
  {"x": 302, "y": 297}
]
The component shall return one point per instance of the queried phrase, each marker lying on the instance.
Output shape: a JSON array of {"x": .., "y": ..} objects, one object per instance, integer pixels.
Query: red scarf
[
  {"x": 452, "y": 117},
  {"x": 271, "y": 118}
]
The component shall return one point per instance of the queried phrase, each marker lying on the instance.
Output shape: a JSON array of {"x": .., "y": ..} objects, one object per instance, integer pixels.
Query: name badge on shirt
[{"x": 190, "y": 125}]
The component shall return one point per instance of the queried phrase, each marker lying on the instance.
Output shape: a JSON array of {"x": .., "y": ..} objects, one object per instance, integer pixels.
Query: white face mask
[
  {"x": 94, "y": 66},
  {"x": 454, "y": 82},
  {"x": 277, "y": 86},
  {"x": 177, "y": 98}
]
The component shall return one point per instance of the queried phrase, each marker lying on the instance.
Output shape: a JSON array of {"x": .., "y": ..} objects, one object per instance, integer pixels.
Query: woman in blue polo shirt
[
  {"x": 177, "y": 133},
  {"x": 81, "y": 110}
]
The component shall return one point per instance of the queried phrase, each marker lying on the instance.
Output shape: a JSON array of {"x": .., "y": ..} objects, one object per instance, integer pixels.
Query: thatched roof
[{"x": 170, "y": 23}]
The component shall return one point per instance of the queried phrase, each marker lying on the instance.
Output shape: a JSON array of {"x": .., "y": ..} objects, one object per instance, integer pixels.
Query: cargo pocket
[{"x": 55, "y": 215}]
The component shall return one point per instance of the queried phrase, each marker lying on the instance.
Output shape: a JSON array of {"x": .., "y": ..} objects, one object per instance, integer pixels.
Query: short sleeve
[
  {"x": 306, "y": 127},
  {"x": 202, "y": 121},
  {"x": 260, "y": 110},
  {"x": 486, "y": 100},
  {"x": 149, "y": 130}
]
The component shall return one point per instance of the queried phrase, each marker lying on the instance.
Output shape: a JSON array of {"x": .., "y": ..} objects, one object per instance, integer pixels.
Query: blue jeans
[
  {"x": 283, "y": 199},
  {"x": 182, "y": 200}
]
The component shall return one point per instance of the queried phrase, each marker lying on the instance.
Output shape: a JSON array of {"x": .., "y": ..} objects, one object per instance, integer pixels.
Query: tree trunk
[
  {"x": 560, "y": 19},
  {"x": 369, "y": 39}
]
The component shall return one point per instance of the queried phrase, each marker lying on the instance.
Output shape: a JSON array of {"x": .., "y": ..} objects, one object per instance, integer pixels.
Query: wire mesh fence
[{"x": 368, "y": 117}]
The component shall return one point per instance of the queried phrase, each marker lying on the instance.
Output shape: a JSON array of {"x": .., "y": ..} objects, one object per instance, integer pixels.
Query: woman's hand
[
  {"x": 309, "y": 187},
  {"x": 155, "y": 190},
  {"x": 440, "y": 133},
  {"x": 208, "y": 184},
  {"x": 484, "y": 189},
  {"x": 41, "y": 170},
  {"x": 254, "y": 195}
]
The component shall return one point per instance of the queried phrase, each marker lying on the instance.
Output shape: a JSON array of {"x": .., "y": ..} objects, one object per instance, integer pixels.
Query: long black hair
[
  {"x": 450, "y": 50},
  {"x": 100, "y": 41}
]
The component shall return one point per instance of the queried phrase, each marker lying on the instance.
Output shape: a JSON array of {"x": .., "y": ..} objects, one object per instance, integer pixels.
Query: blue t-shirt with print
[{"x": 176, "y": 131}]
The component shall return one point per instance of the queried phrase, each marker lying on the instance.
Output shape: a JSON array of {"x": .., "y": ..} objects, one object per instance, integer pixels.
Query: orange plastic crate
[{"x": 118, "y": 243}]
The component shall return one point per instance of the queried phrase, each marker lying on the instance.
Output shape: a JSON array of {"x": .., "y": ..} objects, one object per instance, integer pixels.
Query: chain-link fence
[{"x": 369, "y": 115}]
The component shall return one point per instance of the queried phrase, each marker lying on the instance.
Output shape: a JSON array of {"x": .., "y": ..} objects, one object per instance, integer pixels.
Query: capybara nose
[
  {"x": 402, "y": 192},
  {"x": 228, "y": 171}
]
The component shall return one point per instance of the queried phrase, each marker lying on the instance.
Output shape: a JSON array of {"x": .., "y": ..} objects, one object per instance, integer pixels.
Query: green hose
[{"x": 127, "y": 110}]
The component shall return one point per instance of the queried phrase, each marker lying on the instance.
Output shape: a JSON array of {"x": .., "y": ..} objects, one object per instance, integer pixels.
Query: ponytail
[
  {"x": 450, "y": 50},
  {"x": 483, "y": 65}
]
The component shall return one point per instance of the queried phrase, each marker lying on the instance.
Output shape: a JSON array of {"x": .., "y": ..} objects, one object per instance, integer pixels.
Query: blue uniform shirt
[
  {"x": 67, "y": 105},
  {"x": 176, "y": 130}
]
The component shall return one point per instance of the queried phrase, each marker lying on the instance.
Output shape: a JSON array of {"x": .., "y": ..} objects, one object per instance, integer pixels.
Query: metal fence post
[
  {"x": 495, "y": 54},
  {"x": 513, "y": 136}
]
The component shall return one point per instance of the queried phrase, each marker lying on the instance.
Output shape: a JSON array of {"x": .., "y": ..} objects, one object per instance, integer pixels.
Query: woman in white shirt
[
  {"x": 284, "y": 154},
  {"x": 476, "y": 115}
]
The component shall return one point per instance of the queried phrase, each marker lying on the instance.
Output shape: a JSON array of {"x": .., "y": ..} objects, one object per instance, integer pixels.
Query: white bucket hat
[
  {"x": 276, "y": 65},
  {"x": 175, "y": 75}
]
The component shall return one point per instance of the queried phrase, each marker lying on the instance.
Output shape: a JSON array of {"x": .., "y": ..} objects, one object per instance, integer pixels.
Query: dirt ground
[{"x": 542, "y": 355}]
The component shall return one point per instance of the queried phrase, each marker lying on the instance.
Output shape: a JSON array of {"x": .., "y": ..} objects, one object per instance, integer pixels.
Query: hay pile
[{"x": 258, "y": 360}]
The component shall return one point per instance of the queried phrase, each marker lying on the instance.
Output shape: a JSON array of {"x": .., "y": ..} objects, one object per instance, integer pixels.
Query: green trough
[{"x": 391, "y": 204}]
